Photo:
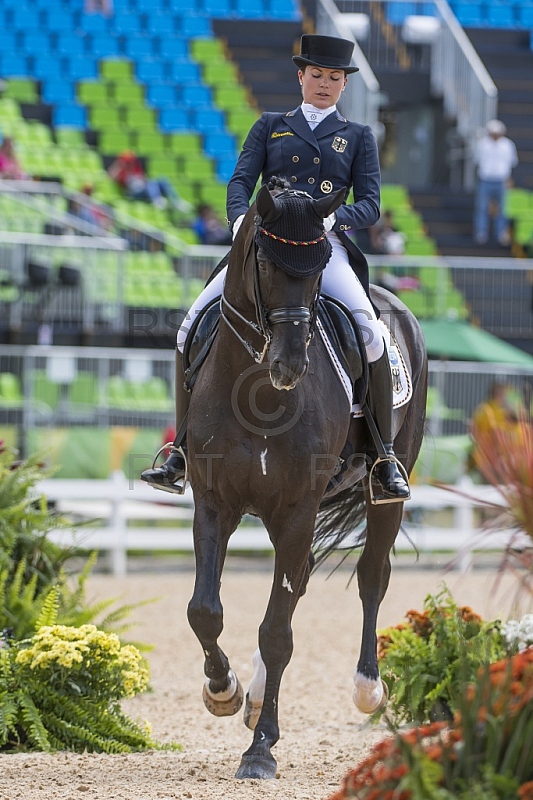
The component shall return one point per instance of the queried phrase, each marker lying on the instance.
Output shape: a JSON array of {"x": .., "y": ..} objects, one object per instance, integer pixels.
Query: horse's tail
[{"x": 337, "y": 521}]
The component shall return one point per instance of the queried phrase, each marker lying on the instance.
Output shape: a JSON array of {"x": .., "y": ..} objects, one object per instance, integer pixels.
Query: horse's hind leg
[
  {"x": 222, "y": 694},
  {"x": 275, "y": 639},
  {"x": 373, "y": 572}
]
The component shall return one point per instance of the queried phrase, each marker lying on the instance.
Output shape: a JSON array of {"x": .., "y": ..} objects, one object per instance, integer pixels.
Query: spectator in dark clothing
[
  {"x": 129, "y": 174},
  {"x": 209, "y": 227}
]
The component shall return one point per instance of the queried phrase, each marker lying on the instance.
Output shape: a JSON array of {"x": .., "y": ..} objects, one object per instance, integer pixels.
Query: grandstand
[{"x": 180, "y": 82}]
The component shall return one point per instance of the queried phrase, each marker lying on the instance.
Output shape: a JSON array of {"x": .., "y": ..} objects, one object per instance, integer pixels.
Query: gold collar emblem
[
  {"x": 326, "y": 187},
  {"x": 339, "y": 144}
]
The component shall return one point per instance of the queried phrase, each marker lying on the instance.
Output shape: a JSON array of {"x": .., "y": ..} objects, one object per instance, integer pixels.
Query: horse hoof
[
  {"x": 252, "y": 712},
  {"x": 225, "y": 703},
  {"x": 370, "y": 696},
  {"x": 261, "y": 767}
]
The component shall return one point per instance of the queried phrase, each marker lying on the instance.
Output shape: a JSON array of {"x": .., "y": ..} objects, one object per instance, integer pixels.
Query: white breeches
[{"x": 338, "y": 280}]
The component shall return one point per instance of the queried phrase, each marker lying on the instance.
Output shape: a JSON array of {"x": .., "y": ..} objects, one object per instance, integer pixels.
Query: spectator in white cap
[{"x": 495, "y": 156}]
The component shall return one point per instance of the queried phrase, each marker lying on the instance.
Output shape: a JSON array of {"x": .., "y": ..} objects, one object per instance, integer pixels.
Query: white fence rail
[{"x": 115, "y": 502}]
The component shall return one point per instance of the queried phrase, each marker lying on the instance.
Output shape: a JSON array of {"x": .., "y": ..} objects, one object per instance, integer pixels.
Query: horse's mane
[{"x": 277, "y": 182}]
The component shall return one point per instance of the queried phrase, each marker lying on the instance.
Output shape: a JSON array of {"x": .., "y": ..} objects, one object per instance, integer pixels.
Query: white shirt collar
[{"x": 314, "y": 115}]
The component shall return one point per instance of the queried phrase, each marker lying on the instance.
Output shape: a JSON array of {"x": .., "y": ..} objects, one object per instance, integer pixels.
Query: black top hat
[{"x": 325, "y": 51}]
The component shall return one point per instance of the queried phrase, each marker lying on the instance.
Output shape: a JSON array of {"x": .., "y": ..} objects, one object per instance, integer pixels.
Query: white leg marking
[
  {"x": 367, "y": 693},
  {"x": 209, "y": 440},
  {"x": 228, "y": 693},
  {"x": 264, "y": 461},
  {"x": 256, "y": 692},
  {"x": 286, "y": 584}
]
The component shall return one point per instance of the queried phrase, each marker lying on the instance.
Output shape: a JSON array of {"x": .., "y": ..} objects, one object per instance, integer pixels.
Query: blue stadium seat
[
  {"x": 104, "y": 45},
  {"x": 161, "y": 23},
  {"x": 82, "y": 68},
  {"x": 8, "y": 42},
  {"x": 174, "y": 119},
  {"x": 150, "y": 70},
  {"x": 209, "y": 120},
  {"x": 35, "y": 42},
  {"x": 47, "y": 67},
  {"x": 161, "y": 95},
  {"x": 397, "y": 12},
  {"x": 94, "y": 23},
  {"x": 501, "y": 15},
  {"x": 525, "y": 15},
  {"x": 138, "y": 47},
  {"x": 184, "y": 71},
  {"x": 71, "y": 44},
  {"x": 185, "y": 6},
  {"x": 26, "y": 18},
  {"x": 127, "y": 22},
  {"x": 250, "y": 9},
  {"x": 58, "y": 91},
  {"x": 147, "y": 6},
  {"x": 72, "y": 115},
  {"x": 220, "y": 145},
  {"x": 281, "y": 9},
  {"x": 225, "y": 168},
  {"x": 217, "y": 8},
  {"x": 13, "y": 66},
  {"x": 196, "y": 97},
  {"x": 469, "y": 14},
  {"x": 59, "y": 19},
  {"x": 196, "y": 27},
  {"x": 173, "y": 47}
]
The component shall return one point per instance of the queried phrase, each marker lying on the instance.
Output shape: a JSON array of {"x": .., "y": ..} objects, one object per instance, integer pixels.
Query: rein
[{"x": 265, "y": 318}]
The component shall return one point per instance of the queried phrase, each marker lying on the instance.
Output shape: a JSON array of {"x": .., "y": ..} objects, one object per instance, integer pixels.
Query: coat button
[
  {"x": 316, "y": 160},
  {"x": 294, "y": 178},
  {"x": 310, "y": 180},
  {"x": 295, "y": 158}
]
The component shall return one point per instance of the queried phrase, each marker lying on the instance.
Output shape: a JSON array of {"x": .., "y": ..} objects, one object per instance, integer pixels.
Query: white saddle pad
[{"x": 402, "y": 387}]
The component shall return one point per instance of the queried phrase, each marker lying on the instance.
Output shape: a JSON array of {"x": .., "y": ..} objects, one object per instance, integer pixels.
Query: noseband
[{"x": 266, "y": 318}]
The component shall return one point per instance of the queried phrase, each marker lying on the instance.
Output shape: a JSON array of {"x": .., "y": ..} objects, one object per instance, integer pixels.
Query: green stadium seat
[
  {"x": 420, "y": 247},
  {"x": 140, "y": 118},
  {"x": 111, "y": 143},
  {"x": 44, "y": 390},
  {"x": 519, "y": 203},
  {"x": 198, "y": 168},
  {"x": 150, "y": 143},
  {"x": 10, "y": 391},
  {"x": 105, "y": 118},
  {"x": 231, "y": 97},
  {"x": 524, "y": 231},
  {"x": 205, "y": 50},
  {"x": 220, "y": 72},
  {"x": 69, "y": 137},
  {"x": 9, "y": 109},
  {"x": 112, "y": 70},
  {"x": 118, "y": 393},
  {"x": 84, "y": 389},
  {"x": 93, "y": 93},
  {"x": 127, "y": 94},
  {"x": 186, "y": 143},
  {"x": 23, "y": 90}
]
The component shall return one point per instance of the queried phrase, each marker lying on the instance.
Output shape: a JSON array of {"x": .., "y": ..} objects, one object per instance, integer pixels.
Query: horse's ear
[
  {"x": 266, "y": 205},
  {"x": 327, "y": 205}
]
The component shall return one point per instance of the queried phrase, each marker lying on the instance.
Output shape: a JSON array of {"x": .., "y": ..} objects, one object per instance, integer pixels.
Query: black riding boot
[
  {"x": 389, "y": 483},
  {"x": 170, "y": 476}
]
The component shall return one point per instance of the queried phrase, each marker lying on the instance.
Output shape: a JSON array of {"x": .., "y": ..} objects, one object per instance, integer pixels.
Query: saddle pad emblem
[
  {"x": 401, "y": 380},
  {"x": 339, "y": 144}
]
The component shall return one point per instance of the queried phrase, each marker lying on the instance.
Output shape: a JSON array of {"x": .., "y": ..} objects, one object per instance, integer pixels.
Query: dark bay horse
[{"x": 266, "y": 407}]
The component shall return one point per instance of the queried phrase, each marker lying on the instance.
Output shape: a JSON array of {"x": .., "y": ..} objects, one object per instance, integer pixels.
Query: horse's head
[{"x": 292, "y": 251}]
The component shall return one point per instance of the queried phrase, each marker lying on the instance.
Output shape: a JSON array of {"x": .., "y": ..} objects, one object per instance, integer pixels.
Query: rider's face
[{"x": 321, "y": 87}]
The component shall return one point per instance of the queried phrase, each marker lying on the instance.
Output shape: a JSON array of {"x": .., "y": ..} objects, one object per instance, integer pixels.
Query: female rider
[{"x": 320, "y": 152}]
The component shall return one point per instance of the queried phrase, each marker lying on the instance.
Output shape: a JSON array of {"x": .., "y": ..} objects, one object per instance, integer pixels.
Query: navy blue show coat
[{"x": 336, "y": 153}]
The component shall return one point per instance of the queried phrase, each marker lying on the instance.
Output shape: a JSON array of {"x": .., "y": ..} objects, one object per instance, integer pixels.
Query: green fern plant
[
  {"x": 34, "y": 571},
  {"x": 61, "y": 690}
]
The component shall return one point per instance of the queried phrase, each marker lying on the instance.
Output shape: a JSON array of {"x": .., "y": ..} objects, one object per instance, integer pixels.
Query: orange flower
[{"x": 526, "y": 791}]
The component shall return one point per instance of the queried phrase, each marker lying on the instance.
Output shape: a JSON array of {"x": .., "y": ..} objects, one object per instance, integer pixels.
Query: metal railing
[
  {"x": 360, "y": 102},
  {"x": 459, "y": 76}
]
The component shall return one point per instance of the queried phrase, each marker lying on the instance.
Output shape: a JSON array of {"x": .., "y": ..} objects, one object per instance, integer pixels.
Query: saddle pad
[{"x": 402, "y": 387}]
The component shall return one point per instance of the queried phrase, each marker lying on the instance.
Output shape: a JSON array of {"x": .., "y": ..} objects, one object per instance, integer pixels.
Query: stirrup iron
[
  {"x": 173, "y": 488},
  {"x": 377, "y": 502}
]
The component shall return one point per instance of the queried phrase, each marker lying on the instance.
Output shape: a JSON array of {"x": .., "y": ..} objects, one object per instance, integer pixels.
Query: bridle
[{"x": 266, "y": 318}]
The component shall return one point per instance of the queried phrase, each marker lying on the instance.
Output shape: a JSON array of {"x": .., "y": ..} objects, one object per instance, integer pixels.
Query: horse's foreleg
[
  {"x": 222, "y": 693},
  {"x": 256, "y": 690},
  {"x": 373, "y": 572},
  {"x": 275, "y": 650}
]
